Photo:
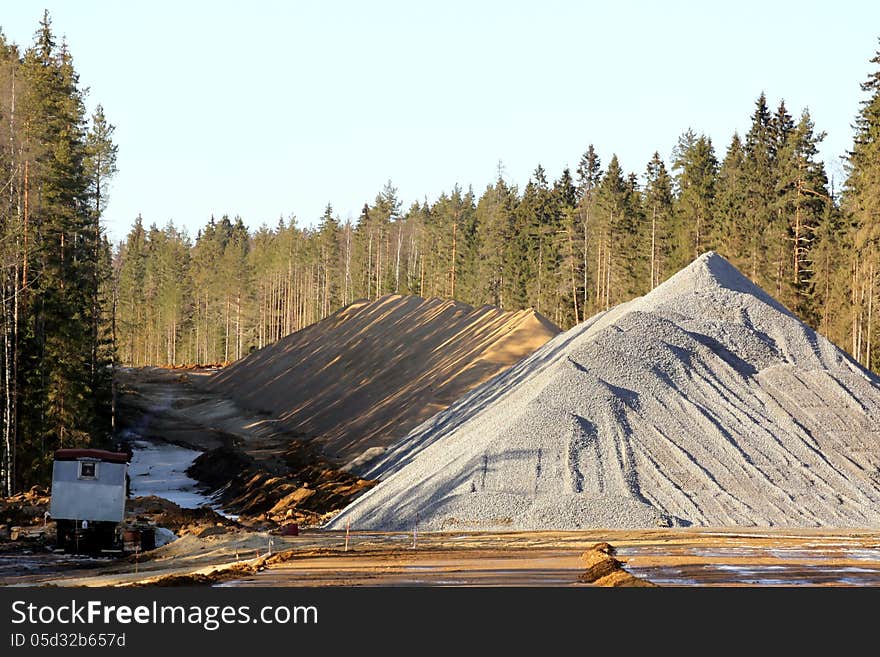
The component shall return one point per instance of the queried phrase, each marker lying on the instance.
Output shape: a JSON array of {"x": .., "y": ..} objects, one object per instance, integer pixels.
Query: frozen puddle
[
  {"x": 159, "y": 469},
  {"x": 806, "y": 563}
]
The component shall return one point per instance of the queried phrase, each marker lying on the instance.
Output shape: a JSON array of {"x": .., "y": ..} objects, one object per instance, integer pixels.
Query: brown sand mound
[
  {"x": 602, "y": 569},
  {"x": 372, "y": 371}
]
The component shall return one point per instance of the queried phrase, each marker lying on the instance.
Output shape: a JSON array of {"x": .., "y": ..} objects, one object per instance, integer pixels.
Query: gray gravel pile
[{"x": 704, "y": 402}]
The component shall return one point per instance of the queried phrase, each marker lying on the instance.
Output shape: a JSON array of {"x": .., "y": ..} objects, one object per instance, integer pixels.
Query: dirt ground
[
  {"x": 666, "y": 557},
  {"x": 263, "y": 473}
]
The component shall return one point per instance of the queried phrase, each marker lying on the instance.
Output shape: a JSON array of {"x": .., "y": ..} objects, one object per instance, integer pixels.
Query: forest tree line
[
  {"x": 568, "y": 247},
  {"x": 56, "y": 285}
]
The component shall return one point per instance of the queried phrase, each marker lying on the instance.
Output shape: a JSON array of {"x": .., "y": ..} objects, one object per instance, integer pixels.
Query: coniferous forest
[
  {"x": 55, "y": 321},
  {"x": 568, "y": 243}
]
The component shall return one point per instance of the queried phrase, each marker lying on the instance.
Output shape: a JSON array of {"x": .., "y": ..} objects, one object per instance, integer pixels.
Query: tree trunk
[
  {"x": 24, "y": 269},
  {"x": 113, "y": 389},
  {"x": 599, "y": 275},
  {"x": 797, "y": 235},
  {"x": 586, "y": 267},
  {"x": 226, "y": 334},
  {"x": 370, "y": 266},
  {"x": 454, "y": 227},
  {"x": 238, "y": 331},
  {"x": 870, "y": 309},
  {"x": 397, "y": 260},
  {"x": 540, "y": 267},
  {"x": 574, "y": 295},
  {"x": 853, "y": 305},
  {"x": 8, "y": 446},
  {"x": 346, "y": 288},
  {"x": 653, "y": 244}
]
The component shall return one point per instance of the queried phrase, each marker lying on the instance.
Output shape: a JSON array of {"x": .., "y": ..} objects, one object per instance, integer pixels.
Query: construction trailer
[{"x": 89, "y": 489}]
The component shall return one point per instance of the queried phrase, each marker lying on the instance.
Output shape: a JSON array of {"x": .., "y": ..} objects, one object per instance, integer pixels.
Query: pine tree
[
  {"x": 760, "y": 191},
  {"x": 778, "y": 238},
  {"x": 589, "y": 174},
  {"x": 537, "y": 234},
  {"x": 58, "y": 339},
  {"x": 210, "y": 298},
  {"x": 569, "y": 249},
  {"x": 802, "y": 196},
  {"x": 658, "y": 211},
  {"x": 329, "y": 236},
  {"x": 236, "y": 268},
  {"x": 861, "y": 202},
  {"x": 100, "y": 165},
  {"x": 829, "y": 255},
  {"x": 612, "y": 198},
  {"x": 131, "y": 308},
  {"x": 569, "y": 275},
  {"x": 732, "y": 236},
  {"x": 11, "y": 256},
  {"x": 696, "y": 168},
  {"x": 494, "y": 219}
]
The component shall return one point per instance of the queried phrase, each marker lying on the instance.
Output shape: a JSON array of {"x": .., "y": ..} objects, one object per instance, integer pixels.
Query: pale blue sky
[{"x": 265, "y": 109}]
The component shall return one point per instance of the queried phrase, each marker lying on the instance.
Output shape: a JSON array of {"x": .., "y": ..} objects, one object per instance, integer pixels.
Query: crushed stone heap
[
  {"x": 366, "y": 375},
  {"x": 704, "y": 402}
]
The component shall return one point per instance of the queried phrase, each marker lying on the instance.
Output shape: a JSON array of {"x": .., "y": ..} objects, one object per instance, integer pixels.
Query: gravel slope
[{"x": 704, "y": 402}]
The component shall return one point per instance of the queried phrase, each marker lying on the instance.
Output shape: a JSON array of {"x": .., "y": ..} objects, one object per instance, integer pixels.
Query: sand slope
[
  {"x": 704, "y": 402},
  {"x": 372, "y": 371}
]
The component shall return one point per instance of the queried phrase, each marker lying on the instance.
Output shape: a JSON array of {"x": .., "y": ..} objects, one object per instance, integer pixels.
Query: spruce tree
[
  {"x": 494, "y": 218},
  {"x": 62, "y": 264},
  {"x": 589, "y": 175},
  {"x": 569, "y": 275},
  {"x": 731, "y": 236},
  {"x": 131, "y": 316},
  {"x": 329, "y": 238},
  {"x": 658, "y": 209},
  {"x": 696, "y": 168},
  {"x": 802, "y": 197},
  {"x": 861, "y": 203},
  {"x": 610, "y": 248},
  {"x": 760, "y": 191}
]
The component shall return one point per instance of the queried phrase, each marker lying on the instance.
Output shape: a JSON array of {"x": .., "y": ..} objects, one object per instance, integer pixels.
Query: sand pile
[
  {"x": 372, "y": 371},
  {"x": 602, "y": 569},
  {"x": 704, "y": 402}
]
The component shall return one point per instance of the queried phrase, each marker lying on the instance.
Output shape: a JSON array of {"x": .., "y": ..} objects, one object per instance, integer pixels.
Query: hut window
[{"x": 88, "y": 470}]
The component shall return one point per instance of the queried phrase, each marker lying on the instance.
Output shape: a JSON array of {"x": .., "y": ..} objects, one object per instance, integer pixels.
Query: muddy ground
[{"x": 260, "y": 471}]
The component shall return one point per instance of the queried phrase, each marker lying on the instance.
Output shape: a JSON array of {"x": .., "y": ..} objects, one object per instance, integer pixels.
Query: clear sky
[{"x": 264, "y": 109}]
